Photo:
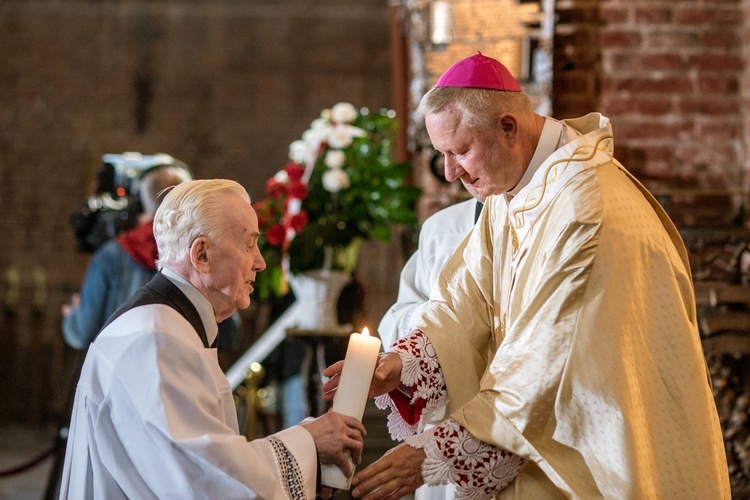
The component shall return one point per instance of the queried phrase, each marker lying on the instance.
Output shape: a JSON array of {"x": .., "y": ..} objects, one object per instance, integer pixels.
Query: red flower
[
  {"x": 276, "y": 234},
  {"x": 298, "y": 190},
  {"x": 274, "y": 188},
  {"x": 294, "y": 171},
  {"x": 298, "y": 221},
  {"x": 260, "y": 206}
]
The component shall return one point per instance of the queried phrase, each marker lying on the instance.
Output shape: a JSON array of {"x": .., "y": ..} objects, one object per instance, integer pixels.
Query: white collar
[
  {"x": 550, "y": 139},
  {"x": 201, "y": 303}
]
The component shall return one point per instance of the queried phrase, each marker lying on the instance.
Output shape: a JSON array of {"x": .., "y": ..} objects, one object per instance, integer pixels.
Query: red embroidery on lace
[
  {"x": 421, "y": 372},
  {"x": 452, "y": 453}
]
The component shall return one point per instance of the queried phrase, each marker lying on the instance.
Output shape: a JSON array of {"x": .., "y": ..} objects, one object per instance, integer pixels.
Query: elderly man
[
  {"x": 562, "y": 331},
  {"x": 154, "y": 415}
]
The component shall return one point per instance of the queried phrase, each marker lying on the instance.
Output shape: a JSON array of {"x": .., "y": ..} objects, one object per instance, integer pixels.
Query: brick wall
[
  {"x": 576, "y": 59},
  {"x": 670, "y": 82},
  {"x": 673, "y": 79}
]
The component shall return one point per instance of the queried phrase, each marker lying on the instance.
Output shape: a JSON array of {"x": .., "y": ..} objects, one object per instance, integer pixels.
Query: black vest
[{"x": 162, "y": 291}]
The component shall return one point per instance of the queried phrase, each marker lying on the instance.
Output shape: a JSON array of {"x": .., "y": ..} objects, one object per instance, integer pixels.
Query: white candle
[{"x": 351, "y": 394}]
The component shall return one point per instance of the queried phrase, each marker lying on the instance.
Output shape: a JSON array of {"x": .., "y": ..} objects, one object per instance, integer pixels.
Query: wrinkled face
[
  {"x": 486, "y": 161},
  {"x": 233, "y": 260}
]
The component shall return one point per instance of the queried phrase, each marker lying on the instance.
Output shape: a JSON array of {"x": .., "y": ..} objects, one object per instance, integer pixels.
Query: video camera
[{"x": 115, "y": 205}]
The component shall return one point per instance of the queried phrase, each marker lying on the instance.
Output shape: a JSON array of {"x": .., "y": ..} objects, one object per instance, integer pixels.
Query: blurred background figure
[{"x": 127, "y": 261}]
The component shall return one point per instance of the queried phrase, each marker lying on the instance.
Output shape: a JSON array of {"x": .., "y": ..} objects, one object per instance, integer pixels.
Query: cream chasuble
[{"x": 565, "y": 328}]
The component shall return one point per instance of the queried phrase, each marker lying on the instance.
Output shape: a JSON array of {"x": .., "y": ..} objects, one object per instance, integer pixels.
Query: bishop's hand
[
  {"x": 396, "y": 474},
  {"x": 386, "y": 378}
]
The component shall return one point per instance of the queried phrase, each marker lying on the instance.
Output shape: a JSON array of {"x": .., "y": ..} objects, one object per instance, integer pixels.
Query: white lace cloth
[{"x": 453, "y": 455}]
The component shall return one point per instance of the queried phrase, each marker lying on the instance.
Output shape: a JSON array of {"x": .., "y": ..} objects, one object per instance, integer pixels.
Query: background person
[
  {"x": 154, "y": 414},
  {"x": 562, "y": 331},
  {"x": 439, "y": 236},
  {"x": 121, "y": 266}
]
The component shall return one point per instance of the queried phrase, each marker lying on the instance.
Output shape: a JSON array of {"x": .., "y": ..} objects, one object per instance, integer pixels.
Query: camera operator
[{"x": 121, "y": 265}]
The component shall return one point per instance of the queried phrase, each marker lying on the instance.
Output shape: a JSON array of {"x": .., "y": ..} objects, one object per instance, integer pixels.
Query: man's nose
[
  {"x": 452, "y": 169},
  {"x": 260, "y": 262}
]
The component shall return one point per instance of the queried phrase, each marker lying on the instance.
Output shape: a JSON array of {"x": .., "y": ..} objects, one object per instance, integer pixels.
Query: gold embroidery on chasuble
[
  {"x": 514, "y": 239},
  {"x": 555, "y": 176},
  {"x": 582, "y": 154}
]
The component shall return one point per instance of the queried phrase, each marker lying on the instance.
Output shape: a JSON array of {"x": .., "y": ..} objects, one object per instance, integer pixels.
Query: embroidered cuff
[
  {"x": 479, "y": 470},
  {"x": 421, "y": 372},
  {"x": 289, "y": 471}
]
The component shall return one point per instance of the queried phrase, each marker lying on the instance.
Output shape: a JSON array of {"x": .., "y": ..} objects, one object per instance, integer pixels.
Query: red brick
[
  {"x": 708, "y": 105},
  {"x": 655, "y": 85},
  {"x": 653, "y": 15},
  {"x": 660, "y": 153},
  {"x": 716, "y": 62},
  {"x": 651, "y": 129},
  {"x": 718, "y": 127},
  {"x": 614, "y": 15},
  {"x": 619, "y": 38},
  {"x": 721, "y": 38},
  {"x": 646, "y": 62},
  {"x": 672, "y": 38},
  {"x": 708, "y": 15},
  {"x": 718, "y": 84},
  {"x": 637, "y": 104}
]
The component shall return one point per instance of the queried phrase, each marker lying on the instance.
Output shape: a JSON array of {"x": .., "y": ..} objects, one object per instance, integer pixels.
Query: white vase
[{"x": 318, "y": 293}]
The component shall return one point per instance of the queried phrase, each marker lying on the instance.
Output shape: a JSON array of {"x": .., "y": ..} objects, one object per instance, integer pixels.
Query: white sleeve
[
  {"x": 172, "y": 430},
  {"x": 439, "y": 236},
  {"x": 412, "y": 294}
]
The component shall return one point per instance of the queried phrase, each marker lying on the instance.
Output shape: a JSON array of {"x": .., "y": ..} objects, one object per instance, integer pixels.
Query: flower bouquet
[{"x": 340, "y": 187}]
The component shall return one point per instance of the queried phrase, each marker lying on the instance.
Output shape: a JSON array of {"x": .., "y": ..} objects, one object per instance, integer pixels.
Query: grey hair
[
  {"x": 191, "y": 210},
  {"x": 479, "y": 107},
  {"x": 153, "y": 183}
]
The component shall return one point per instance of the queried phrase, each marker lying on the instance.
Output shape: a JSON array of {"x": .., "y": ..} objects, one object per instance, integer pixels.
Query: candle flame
[{"x": 365, "y": 331}]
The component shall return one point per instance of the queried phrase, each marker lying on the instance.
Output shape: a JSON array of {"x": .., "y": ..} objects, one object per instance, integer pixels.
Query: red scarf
[{"x": 140, "y": 244}]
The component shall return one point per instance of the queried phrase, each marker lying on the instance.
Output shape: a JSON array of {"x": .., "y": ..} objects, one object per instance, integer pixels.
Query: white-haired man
[{"x": 154, "y": 415}]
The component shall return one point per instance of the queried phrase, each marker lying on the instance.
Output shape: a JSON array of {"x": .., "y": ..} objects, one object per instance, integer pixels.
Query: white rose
[
  {"x": 319, "y": 123},
  {"x": 299, "y": 151},
  {"x": 343, "y": 112},
  {"x": 335, "y": 158},
  {"x": 334, "y": 180},
  {"x": 317, "y": 133},
  {"x": 315, "y": 136},
  {"x": 339, "y": 138},
  {"x": 281, "y": 176}
]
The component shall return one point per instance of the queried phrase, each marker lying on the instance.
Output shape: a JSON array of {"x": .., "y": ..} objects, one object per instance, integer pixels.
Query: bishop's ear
[{"x": 509, "y": 126}]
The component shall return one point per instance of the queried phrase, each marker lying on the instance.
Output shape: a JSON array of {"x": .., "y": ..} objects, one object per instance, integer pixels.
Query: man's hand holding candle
[
  {"x": 353, "y": 378},
  {"x": 399, "y": 471},
  {"x": 335, "y": 435}
]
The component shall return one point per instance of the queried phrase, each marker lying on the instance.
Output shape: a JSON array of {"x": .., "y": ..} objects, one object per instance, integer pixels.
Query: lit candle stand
[{"x": 351, "y": 394}]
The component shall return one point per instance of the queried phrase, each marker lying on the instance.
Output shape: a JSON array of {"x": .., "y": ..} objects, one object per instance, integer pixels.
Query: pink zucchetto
[{"x": 479, "y": 72}]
